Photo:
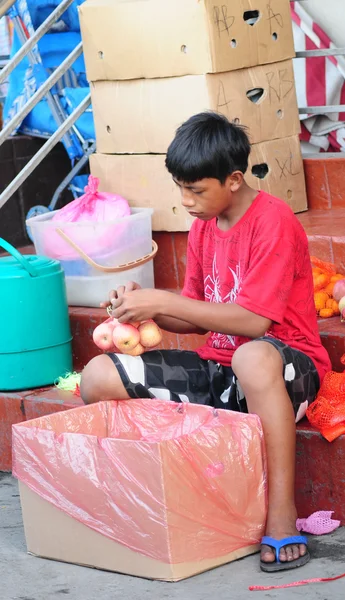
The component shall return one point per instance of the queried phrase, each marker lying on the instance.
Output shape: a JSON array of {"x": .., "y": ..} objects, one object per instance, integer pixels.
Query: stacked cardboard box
[{"x": 154, "y": 63}]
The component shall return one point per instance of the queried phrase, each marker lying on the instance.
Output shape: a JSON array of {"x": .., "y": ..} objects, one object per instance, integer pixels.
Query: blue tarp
[
  {"x": 53, "y": 48},
  {"x": 41, "y": 9}
]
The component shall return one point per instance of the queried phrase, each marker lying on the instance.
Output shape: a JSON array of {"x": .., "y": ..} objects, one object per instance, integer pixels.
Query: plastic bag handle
[
  {"x": 23, "y": 261},
  {"x": 119, "y": 268}
]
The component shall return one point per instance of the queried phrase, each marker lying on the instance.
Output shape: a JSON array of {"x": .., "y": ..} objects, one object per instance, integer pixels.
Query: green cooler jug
[{"x": 35, "y": 336}]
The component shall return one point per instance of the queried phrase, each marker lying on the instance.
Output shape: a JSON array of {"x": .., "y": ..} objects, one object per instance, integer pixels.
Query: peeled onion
[
  {"x": 342, "y": 304},
  {"x": 339, "y": 290}
]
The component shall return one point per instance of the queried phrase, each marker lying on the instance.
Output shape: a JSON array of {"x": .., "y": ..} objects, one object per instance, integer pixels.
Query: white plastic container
[{"x": 95, "y": 256}]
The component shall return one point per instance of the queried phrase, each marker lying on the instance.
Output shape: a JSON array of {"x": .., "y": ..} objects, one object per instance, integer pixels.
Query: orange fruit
[
  {"x": 326, "y": 313},
  {"x": 320, "y": 299}
]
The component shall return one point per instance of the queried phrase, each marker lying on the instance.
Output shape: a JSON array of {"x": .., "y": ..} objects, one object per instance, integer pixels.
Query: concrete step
[
  {"x": 326, "y": 234},
  {"x": 324, "y": 178}
]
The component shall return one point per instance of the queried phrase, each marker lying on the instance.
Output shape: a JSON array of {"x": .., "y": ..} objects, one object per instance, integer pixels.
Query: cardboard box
[
  {"x": 146, "y": 488},
  {"x": 131, "y": 39},
  {"x": 144, "y": 181},
  {"x": 275, "y": 167},
  {"x": 52, "y": 534},
  {"x": 142, "y": 115}
]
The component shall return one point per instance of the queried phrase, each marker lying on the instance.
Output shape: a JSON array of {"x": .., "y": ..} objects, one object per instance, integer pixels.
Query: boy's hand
[
  {"x": 114, "y": 294},
  {"x": 140, "y": 305}
]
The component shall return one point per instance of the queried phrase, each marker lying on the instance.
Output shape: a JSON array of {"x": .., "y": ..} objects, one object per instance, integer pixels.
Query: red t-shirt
[{"x": 262, "y": 264}]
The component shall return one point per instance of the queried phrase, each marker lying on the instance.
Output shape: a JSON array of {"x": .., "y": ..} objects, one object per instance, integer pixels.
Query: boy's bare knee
[
  {"x": 100, "y": 381},
  {"x": 257, "y": 363}
]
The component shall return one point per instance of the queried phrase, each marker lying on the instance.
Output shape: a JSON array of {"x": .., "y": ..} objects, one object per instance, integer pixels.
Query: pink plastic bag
[
  {"x": 97, "y": 231},
  {"x": 174, "y": 482},
  {"x": 319, "y": 523},
  {"x": 94, "y": 206}
]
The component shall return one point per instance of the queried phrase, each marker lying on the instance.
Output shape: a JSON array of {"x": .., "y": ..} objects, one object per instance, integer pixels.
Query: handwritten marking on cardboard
[
  {"x": 223, "y": 21},
  {"x": 279, "y": 85},
  {"x": 286, "y": 167},
  {"x": 274, "y": 19},
  {"x": 222, "y": 101}
]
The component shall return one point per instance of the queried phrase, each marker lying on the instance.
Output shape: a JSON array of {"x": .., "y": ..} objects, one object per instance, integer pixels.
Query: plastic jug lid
[{"x": 10, "y": 267}]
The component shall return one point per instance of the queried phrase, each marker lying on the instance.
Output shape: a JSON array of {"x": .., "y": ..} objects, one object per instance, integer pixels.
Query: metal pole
[
  {"x": 44, "y": 151},
  {"x": 315, "y": 110},
  {"x": 324, "y": 155},
  {"x": 54, "y": 77},
  {"x": 321, "y": 52},
  {"x": 80, "y": 164},
  {"x": 5, "y": 5},
  {"x": 36, "y": 60},
  {"x": 32, "y": 41}
]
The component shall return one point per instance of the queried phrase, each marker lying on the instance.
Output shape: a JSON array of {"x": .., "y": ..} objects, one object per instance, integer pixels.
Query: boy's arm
[
  {"x": 230, "y": 319},
  {"x": 193, "y": 288},
  {"x": 167, "y": 323},
  {"x": 169, "y": 309},
  {"x": 177, "y": 325}
]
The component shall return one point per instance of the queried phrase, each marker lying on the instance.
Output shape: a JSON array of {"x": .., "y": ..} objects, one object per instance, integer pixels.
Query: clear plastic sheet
[{"x": 142, "y": 472}]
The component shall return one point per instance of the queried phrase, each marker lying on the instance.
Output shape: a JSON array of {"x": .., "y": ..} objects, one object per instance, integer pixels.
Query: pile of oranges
[{"x": 325, "y": 278}]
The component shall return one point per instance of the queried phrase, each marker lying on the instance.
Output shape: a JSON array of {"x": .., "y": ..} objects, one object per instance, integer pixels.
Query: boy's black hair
[{"x": 207, "y": 146}]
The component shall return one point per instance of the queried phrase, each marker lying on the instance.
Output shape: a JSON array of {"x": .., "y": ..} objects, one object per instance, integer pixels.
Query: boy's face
[{"x": 208, "y": 198}]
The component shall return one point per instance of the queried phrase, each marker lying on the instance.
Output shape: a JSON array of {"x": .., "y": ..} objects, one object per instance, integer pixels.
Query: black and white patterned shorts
[{"x": 182, "y": 376}]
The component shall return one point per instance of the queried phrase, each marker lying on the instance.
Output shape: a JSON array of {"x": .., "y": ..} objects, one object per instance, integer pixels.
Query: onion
[
  {"x": 339, "y": 290},
  {"x": 342, "y": 304}
]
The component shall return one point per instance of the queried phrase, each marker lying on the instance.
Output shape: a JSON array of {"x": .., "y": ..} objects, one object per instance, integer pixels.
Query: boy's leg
[
  {"x": 100, "y": 381},
  {"x": 259, "y": 367},
  {"x": 175, "y": 375}
]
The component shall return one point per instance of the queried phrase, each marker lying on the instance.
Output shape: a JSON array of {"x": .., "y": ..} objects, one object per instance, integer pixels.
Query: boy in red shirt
[{"x": 248, "y": 282}]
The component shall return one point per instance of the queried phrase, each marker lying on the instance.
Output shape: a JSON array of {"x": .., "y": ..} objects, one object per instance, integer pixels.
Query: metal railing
[
  {"x": 44, "y": 91},
  {"x": 5, "y": 5},
  {"x": 32, "y": 41},
  {"x": 329, "y": 108},
  {"x": 44, "y": 151}
]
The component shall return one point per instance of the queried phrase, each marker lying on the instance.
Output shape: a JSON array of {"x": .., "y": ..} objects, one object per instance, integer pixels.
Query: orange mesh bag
[
  {"x": 327, "y": 413},
  {"x": 323, "y": 266},
  {"x": 322, "y": 273}
]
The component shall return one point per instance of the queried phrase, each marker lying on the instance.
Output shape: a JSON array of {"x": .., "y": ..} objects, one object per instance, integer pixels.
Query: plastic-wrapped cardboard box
[
  {"x": 148, "y": 488},
  {"x": 130, "y": 39},
  {"x": 142, "y": 115},
  {"x": 275, "y": 167}
]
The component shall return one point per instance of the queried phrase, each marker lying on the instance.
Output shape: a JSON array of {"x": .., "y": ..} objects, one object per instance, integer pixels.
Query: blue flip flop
[{"x": 277, "y": 545}]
